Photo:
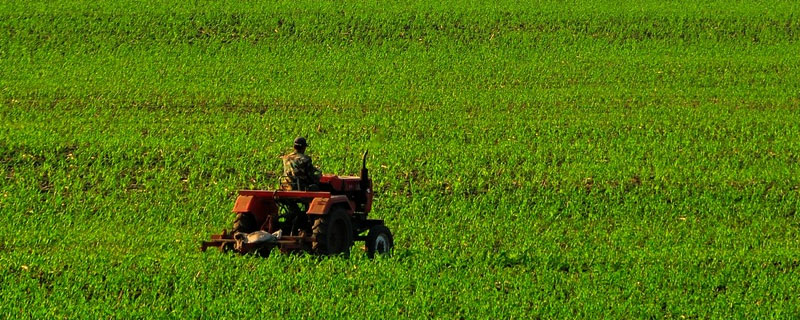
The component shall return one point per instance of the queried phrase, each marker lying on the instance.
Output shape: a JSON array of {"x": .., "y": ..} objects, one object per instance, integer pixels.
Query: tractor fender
[
  {"x": 259, "y": 207},
  {"x": 246, "y": 204},
  {"x": 321, "y": 206}
]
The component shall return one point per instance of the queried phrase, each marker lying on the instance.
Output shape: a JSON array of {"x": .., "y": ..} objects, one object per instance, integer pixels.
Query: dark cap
[{"x": 300, "y": 142}]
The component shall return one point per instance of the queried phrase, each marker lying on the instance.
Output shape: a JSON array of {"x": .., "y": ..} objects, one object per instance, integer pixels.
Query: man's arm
[{"x": 313, "y": 172}]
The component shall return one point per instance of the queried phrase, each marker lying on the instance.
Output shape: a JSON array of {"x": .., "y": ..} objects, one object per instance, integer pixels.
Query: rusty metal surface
[
  {"x": 342, "y": 183},
  {"x": 285, "y": 194},
  {"x": 225, "y": 242},
  {"x": 243, "y": 204},
  {"x": 321, "y": 206}
]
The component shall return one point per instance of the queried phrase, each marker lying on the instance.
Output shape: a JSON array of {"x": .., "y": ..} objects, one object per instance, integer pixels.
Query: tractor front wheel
[
  {"x": 333, "y": 233},
  {"x": 379, "y": 241}
]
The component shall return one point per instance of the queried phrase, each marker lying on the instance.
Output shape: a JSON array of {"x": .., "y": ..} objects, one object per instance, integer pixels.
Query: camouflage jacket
[{"x": 298, "y": 172}]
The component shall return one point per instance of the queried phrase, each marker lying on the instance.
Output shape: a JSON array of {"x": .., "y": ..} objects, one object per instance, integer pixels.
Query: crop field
[{"x": 546, "y": 159}]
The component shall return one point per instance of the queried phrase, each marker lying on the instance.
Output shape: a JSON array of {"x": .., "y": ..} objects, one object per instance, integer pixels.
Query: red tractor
[{"x": 326, "y": 221}]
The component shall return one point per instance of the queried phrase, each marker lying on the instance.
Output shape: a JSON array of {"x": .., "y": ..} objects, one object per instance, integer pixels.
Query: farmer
[{"x": 298, "y": 172}]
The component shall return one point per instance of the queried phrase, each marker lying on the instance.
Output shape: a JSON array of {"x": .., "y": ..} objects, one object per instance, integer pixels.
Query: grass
[{"x": 533, "y": 160}]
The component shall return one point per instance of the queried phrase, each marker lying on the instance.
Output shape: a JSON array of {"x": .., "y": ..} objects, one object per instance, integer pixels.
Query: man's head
[{"x": 300, "y": 144}]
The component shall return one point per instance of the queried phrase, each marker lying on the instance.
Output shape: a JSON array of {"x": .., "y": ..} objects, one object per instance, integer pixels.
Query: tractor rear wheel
[
  {"x": 244, "y": 222},
  {"x": 333, "y": 233},
  {"x": 379, "y": 241}
]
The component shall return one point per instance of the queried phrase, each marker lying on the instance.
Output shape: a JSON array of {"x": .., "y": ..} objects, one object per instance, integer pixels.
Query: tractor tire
[
  {"x": 333, "y": 233},
  {"x": 244, "y": 222},
  {"x": 379, "y": 241}
]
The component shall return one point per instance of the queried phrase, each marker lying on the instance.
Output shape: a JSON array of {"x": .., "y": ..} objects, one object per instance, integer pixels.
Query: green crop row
[{"x": 534, "y": 160}]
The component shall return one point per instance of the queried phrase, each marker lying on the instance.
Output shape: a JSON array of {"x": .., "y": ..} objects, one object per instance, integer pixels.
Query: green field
[{"x": 545, "y": 159}]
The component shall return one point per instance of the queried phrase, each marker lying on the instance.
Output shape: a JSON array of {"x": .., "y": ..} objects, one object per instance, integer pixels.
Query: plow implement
[{"x": 245, "y": 243}]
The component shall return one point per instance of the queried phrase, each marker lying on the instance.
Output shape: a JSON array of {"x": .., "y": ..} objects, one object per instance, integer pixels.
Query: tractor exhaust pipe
[{"x": 365, "y": 183}]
